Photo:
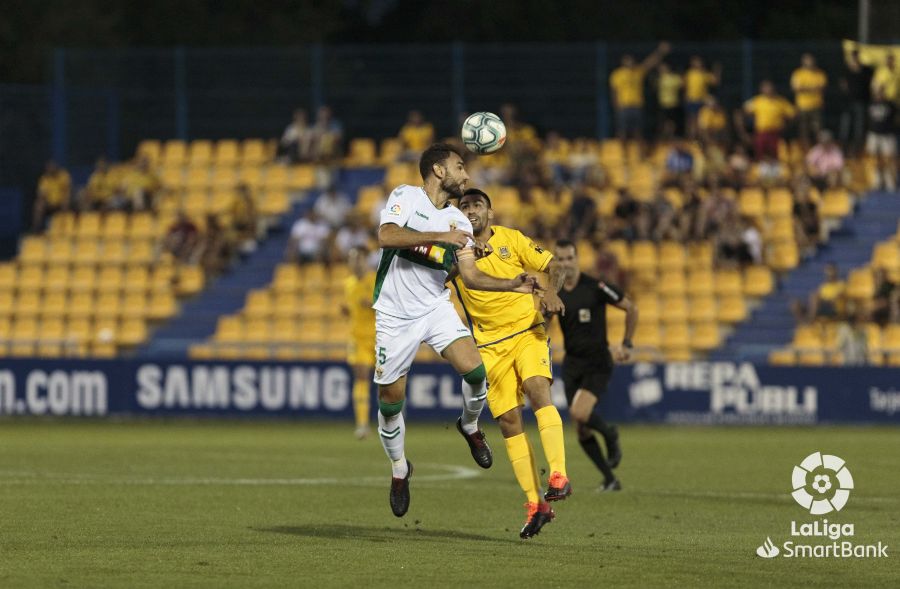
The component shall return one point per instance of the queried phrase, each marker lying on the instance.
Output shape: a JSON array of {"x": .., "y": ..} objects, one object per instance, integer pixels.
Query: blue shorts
[{"x": 693, "y": 108}]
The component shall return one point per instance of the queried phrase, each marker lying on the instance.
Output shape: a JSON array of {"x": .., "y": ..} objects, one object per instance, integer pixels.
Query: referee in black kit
[{"x": 588, "y": 365}]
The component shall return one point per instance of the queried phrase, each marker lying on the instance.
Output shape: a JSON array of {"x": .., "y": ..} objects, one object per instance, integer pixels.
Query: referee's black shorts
[{"x": 591, "y": 373}]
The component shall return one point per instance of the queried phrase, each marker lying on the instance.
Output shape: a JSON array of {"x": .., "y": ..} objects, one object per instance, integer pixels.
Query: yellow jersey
[
  {"x": 711, "y": 119},
  {"x": 56, "y": 188},
  {"x": 101, "y": 186},
  {"x": 496, "y": 315},
  {"x": 358, "y": 294},
  {"x": 813, "y": 83},
  {"x": 628, "y": 85},
  {"x": 770, "y": 113},
  {"x": 696, "y": 84},
  {"x": 889, "y": 82},
  {"x": 669, "y": 89}
]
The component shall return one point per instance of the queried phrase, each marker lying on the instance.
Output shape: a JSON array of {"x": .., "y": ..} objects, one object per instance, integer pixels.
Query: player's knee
[
  {"x": 578, "y": 415},
  {"x": 476, "y": 376},
  {"x": 389, "y": 409}
]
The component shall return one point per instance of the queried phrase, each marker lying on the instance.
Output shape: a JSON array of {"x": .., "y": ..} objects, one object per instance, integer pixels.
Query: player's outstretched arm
[
  {"x": 396, "y": 237},
  {"x": 475, "y": 279},
  {"x": 551, "y": 303},
  {"x": 623, "y": 353}
]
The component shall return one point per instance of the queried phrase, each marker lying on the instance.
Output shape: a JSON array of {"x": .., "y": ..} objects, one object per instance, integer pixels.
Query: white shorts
[
  {"x": 397, "y": 340},
  {"x": 878, "y": 144}
]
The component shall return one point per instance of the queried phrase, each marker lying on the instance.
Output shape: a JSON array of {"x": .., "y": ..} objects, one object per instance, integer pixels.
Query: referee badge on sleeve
[{"x": 584, "y": 315}]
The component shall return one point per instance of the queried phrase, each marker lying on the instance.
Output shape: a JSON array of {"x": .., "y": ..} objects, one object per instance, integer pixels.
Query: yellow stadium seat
[
  {"x": 782, "y": 357},
  {"x": 110, "y": 279},
  {"x": 732, "y": 309},
  {"x": 226, "y": 153},
  {"x": 114, "y": 252},
  {"x": 705, "y": 336},
  {"x": 162, "y": 278},
  {"x": 302, "y": 177},
  {"x": 676, "y": 335},
  {"x": 276, "y": 178},
  {"x": 758, "y": 281},
  {"x": 257, "y": 330},
  {"x": 190, "y": 280},
  {"x": 674, "y": 310},
  {"x": 860, "y": 284},
  {"x": 251, "y": 176},
  {"x": 81, "y": 305},
  {"x": 258, "y": 304},
  {"x": 784, "y": 256},
  {"x": 172, "y": 178},
  {"x": 808, "y": 337},
  {"x": 195, "y": 203},
  {"x": 700, "y": 282},
  {"x": 230, "y": 328},
  {"x": 33, "y": 250},
  {"x": 223, "y": 179},
  {"x": 150, "y": 149},
  {"x": 253, "y": 152},
  {"x": 88, "y": 225},
  {"x": 134, "y": 305},
  {"x": 142, "y": 226},
  {"x": 811, "y": 357},
  {"x": 174, "y": 153},
  {"x": 312, "y": 276},
  {"x": 361, "y": 152},
  {"x": 8, "y": 274},
  {"x": 286, "y": 305},
  {"x": 31, "y": 279},
  {"x": 136, "y": 279},
  {"x": 109, "y": 305},
  {"x": 56, "y": 279},
  {"x": 287, "y": 278},
  {"x": 620, "y": 249},
  {"x": 312, "y": 331},
  {"x": 702, "y": 309},
  {"x": 133, "y": 332},
  {"x": 700, "y": 255},
  {"x": 728, "y": 282},
  {"x": 647, "y": 334},
  {"x": 886, "y": 255},
  {"x": 59, "y": 251},
  {"x": 643, "y": 256},
  {"x": 202, "y": 352},
  {"x": 115, "y": 225},
  {"x": 672, "y": 256},
  {"x": 274, "y": 203},
  {"x": 836, "y": 203},
  {"x": 28, "y": 304},
  {"x": 751, "y": 202},
  {"x": 780, "y": 203},
  {"x": 198, "y": 179},
  {"x": 55, "y": 304},
  {"x": 61, "y": 224},
  {"x": 83, "y": 278},
  {"x": 402, "y": 174},
  {"x": 368, "y": 197},
  {"x": 200, "y": 154},
  {"x": 161, "y": 305},
  {"x": 391, "y": 148}
]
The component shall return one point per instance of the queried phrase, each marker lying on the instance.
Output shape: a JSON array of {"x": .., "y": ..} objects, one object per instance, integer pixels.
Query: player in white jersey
[{"x": 422, "y": 237}]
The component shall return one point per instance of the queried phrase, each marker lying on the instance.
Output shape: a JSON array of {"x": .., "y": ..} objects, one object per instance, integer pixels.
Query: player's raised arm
[
  {"x": 391, "y": 235},
  {"x": 475, "y": 279}
]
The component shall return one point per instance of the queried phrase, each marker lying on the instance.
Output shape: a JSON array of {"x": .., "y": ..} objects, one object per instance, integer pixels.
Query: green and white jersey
[{"x": 410, "y": 282}]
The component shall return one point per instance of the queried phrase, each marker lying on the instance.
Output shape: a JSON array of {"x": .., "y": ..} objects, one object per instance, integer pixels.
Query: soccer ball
[{"x": 483, "y": 132}]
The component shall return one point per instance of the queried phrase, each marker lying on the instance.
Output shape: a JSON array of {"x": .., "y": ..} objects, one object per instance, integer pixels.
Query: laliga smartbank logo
[{"x": 821, "y": 484}]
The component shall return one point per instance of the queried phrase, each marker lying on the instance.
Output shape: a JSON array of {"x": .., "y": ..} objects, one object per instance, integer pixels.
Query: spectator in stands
[
  {"x": 607, "y": 265},
  {"x": 752, "y": 239},
  {"x": 245, "y": 219},
  {"x": 326, "y": 137},
  {"x": 771, "y": 172},
  {"x": 625, "y": 217},
  {"x": 554, "y": 156},
  {"x": 827, "y": 301},
  {"x": 627, "y": 91},
  {"x": 522, "y": 142},
  {"x": 296, "y": 142},
  {"x": 732, "y": 251},
  {"x": 183, "y": 240},
  {"x": 54, "y": 193},
  {"x": 881, "y": 142},
  {"x": 712, "y": 123},
  {"x": 737, "y": 168},
  {"x": 806, "y": 219},
  {"x": 697, "y": 82},
  {"x": 859, "y": 88},
  {"x": 887, "y": 79},
  {"x": 333, "y": 207},
  {"x": 852, "y": 342},
  {"x": 886, "y": 302},
  {"x": 138, "y": 188},
  {"x": 582, "y": 219},
  {"x": 714, "y": 212},
  {"x": 416, "y": 135},
  {"x": 216, "y": 248},
  {"x": 825, "y": 162},
  {"x": 669, "y": 84},
  {"x": 679, "y": 164},
  {"x": 354, "y": 234},
  {"x": 582, "y": 159},
  {"x": 663, "y": 218},
  {"x": 309, "y": 237},
  {"x": 808, "y": 83},
  {"x": 770, "y": 114},
  {"x": 100, "y": 187}
]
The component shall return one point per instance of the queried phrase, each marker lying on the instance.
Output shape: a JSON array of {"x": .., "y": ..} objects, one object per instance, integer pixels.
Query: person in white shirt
[
  {"x": 309, "y": 236},
  {"x": 333, "y": 207},
  {"x": 423, "y": 238}
]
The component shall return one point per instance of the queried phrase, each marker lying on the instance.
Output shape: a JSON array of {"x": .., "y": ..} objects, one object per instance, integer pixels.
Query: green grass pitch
[{"x": 277, "y": 504}]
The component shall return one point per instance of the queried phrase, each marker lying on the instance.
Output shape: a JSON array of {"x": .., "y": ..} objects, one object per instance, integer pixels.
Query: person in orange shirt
[
  {"x": 771, "y": 113},
  {"x": 697, "y": 82},
  {"x": 627, "y": 92},
  {"x": 808, "y": 83},
  {"x": 54, "y": 192}
]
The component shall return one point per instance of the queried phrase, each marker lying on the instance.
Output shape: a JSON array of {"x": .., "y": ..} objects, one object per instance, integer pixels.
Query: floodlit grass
[{"x": 247, "y": 504}]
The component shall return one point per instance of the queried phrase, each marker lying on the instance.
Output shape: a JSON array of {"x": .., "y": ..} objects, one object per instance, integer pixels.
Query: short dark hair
[
  {"x": 436, "y": 153},
  {"x": 566, "y": 243},
  {"x": 478, "y": 192}
]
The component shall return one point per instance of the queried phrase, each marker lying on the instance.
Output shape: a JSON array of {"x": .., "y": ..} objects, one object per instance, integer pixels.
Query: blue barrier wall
[{"x": 695, "y": 393}]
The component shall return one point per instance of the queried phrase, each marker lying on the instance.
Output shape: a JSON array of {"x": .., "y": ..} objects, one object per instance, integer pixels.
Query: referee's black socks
[
  {"x": 592, "y": 449},
  {"x": 596, "y": 423}
]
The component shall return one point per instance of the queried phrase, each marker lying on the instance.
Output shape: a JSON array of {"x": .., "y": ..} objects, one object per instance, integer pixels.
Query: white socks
[
  {"x": 473, "y": 403},
  {"x": 392, "y": 432}
]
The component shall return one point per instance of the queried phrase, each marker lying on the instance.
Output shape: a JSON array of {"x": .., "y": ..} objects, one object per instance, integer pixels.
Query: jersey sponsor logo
[
  {"x": 394, "y": 210},
  {"x": 435, "y": 253},
  {"x": 584, "y": 315},
  {"x": 418, "y": 214},
  {"x": 504, "y": 252}
]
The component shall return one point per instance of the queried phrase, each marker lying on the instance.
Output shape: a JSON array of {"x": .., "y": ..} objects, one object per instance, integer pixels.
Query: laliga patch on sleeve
[{"x": 394, "y": 210}]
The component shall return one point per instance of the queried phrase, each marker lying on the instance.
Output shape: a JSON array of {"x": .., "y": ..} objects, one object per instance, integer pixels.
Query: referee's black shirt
[{"x": 584, "y": 324}]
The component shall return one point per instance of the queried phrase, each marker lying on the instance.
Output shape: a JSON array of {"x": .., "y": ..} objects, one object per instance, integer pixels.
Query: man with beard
[
  {"x": 422, "y": 238},
  {"x": 510, "y": 334}
]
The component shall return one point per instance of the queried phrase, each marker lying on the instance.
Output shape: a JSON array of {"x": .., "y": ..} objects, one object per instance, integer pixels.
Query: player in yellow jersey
[
  {"x": 510, "y": 335},
  {"x": 357, "y": 307}
]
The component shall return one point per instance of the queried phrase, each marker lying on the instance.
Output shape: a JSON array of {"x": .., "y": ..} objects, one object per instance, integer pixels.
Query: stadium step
[{"x": 772, "y": 324}]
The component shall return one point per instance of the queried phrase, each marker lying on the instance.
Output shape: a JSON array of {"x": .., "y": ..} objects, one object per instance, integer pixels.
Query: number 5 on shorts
[{"x": 381, "y": 356}]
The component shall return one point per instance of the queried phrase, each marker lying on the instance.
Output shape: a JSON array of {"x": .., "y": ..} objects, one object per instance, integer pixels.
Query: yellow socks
[
  {"x": 550, "y": 426},
  {"x": 519, "y": 451},
  {"x": 361, "y": 402}
]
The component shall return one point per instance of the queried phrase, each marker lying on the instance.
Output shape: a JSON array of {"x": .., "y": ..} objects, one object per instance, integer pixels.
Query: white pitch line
[
  {"x": 742, "y": 495},
  {"x": 452, "y": 472}
]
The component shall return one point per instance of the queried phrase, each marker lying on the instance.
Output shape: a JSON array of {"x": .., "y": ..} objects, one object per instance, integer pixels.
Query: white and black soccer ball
[{"x": 483, "y": 132}]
